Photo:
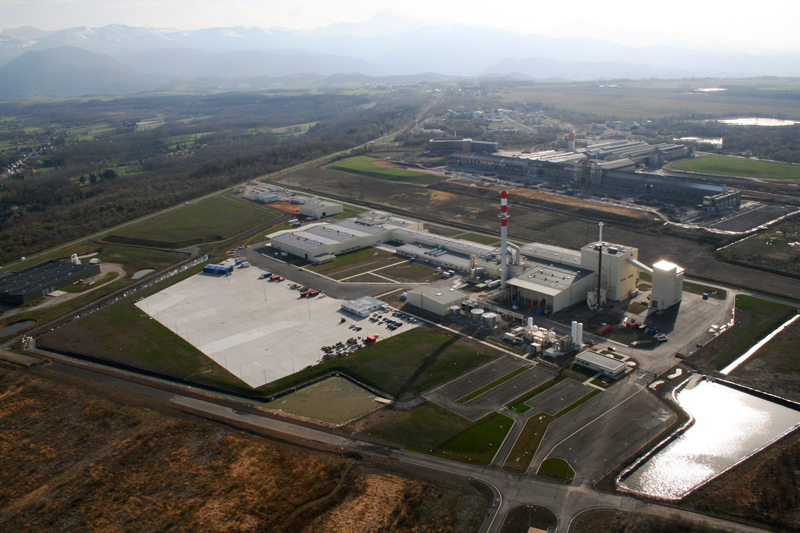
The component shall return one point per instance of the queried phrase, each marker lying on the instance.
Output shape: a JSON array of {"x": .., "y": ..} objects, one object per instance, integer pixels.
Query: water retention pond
[{"x": 729, "y": 427}]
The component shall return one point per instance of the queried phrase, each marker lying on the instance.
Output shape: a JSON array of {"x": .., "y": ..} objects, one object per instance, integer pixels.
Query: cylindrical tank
[
  {"x": 455, "y": 310},
  {"x": 551, "y": 336},
  {"x": 579, "y": 336},
  {"x": 475, "y": 315},
  {"x": 530, "y": 322},
  {"x": 489, "y": 320}
]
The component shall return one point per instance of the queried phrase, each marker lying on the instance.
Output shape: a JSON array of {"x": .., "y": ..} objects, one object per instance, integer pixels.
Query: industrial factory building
[
  {"x": 539, "y": 277},
  {"x": 363, "y": 307},
  {"x": 461, "y": 144},
  {"x": 320, "y": 209},
  {"x": 609, "y": 165},
  {"x": 436, "y": 300},
  {"x": 42, "y": 279},
  {"x": 598, "y": 362}
]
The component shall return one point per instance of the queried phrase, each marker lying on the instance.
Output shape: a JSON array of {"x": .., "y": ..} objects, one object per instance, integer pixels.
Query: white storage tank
[
  {"x": 489, "y": 320},
  {"x": 455, "y": 310},
  {"x": 475, "y": 315}
]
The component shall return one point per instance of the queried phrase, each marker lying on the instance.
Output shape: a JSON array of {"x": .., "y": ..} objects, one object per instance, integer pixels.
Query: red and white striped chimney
[{"x": 503, "y": 237}]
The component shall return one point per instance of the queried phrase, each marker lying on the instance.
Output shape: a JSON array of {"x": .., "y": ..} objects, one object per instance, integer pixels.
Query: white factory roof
[
  {"x": 609, "y": 248},
  {"x": 552, "y": 253},
  {"x": 667, "y": 266},
  {"x": 605, "y": 362},
  {"x": 441, "y": 295},
  {"x": 549, "y": 279},
  {"x": 454, "y": 245}
]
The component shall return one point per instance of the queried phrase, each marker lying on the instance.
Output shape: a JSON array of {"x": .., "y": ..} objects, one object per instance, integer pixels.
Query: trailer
[{"x": 604, "y": 329}]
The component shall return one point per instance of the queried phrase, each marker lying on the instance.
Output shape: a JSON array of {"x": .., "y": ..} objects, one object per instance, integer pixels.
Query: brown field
[
  {"x": 765, "y": 488},
  {"x": 76, "y": 459}
]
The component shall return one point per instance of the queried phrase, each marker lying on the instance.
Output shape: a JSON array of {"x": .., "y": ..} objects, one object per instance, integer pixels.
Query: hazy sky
[{"x": 764, "y": 24}]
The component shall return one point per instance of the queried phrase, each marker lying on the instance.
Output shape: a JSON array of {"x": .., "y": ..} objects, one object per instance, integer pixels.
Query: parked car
[{"x": 661, "y": 337}]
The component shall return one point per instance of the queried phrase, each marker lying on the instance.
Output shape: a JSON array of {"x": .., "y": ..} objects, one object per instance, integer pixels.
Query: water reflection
[{"x": 729, "y": 426}]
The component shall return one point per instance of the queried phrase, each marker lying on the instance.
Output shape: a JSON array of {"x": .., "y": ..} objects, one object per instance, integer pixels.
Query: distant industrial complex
[{"x": 609, "y": 165}]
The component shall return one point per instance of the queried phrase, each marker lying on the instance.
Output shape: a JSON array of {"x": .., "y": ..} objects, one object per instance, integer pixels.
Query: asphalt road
[{"x": 511, "y": 491}]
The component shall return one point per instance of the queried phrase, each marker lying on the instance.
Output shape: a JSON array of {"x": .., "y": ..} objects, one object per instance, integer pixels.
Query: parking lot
[
  {"x": 494, "y": 398},
  {"x": 260, "y": 330}
]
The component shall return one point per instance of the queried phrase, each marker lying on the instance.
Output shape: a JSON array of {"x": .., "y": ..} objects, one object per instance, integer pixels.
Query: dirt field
[{"x": 77, "y": 460}]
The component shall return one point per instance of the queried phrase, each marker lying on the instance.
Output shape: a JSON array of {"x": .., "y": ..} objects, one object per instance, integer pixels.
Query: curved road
[{"x": 510, "y": 491}]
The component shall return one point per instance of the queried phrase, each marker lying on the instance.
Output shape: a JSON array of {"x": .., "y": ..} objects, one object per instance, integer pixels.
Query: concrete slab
[
  {"x": 260, "y": 331},
  {"x": 558, "y": 397},
  {"x": 495, "y": 398}
]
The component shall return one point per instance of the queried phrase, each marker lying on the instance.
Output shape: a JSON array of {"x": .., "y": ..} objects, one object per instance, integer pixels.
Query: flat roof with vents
[{"x": 549, "y": 279}]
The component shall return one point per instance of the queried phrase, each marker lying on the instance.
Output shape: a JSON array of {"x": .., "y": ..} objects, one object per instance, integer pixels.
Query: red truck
[{"x": 604, "y": 329}]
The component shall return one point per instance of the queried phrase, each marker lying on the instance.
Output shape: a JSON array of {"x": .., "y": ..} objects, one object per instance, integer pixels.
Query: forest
[{"x": 97, "y": 163}]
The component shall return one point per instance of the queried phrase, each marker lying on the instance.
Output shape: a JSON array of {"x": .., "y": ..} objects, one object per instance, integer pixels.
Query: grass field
[
  {"x": 212, "y": 219},
  {"x": 424, "y": 427},
  {"x": 737, "y": 166},
  {"x": 755, "y": 318},
  {"x": 148, "y": 344},
  {"x": 371, "y": 167},
  {"x": 521, "y": 455},
  {"x": 479, "y": 443},
  {"x": 402, "y": 366},
  {"x": 555, "y": 467},
  {"x": 650, "y": 98},
  {"x": 355, "y": 262}
]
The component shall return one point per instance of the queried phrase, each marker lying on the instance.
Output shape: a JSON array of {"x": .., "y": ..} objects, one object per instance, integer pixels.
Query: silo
[
  {"x": 489, "y": 320},
  {"x": 475, "y": 316},
  {"x": 455, "y": 310}
]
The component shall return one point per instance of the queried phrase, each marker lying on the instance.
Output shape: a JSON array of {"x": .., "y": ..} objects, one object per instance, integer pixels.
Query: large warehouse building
[{"x": 42, "y": 279}]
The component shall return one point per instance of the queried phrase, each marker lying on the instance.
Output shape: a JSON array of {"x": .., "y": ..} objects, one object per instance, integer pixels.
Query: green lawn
[
  {"x": 209, "y": 220},
  {"x": 737, "y": 166},
  {"x": 365, "y": 166},
  {"x": 555, "y": 467},
  {"x": 402, "y": 366},
  {"x": 424, "y": 427},
  {"x": 521, "y": 455},
  {"x": 479, "y": 443}
]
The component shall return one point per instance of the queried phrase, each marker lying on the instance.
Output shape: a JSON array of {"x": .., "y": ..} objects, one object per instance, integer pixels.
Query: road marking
[{"x": 590, "y": 423}]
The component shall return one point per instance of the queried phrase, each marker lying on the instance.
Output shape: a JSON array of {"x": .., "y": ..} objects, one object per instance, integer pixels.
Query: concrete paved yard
[
  {"x": 258, "y": 330},
  {"x": 494, "y": 399},
  {"x": 558, "y": 397}
]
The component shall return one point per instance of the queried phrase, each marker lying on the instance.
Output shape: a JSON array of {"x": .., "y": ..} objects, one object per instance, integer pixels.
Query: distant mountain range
[{"x": 120, "y": 59}]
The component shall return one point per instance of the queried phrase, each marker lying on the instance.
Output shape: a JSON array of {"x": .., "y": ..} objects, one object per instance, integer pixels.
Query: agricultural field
[
  {"x": 383, "y": 170},
  {"x": 776, "y": 249},
  {"x": 211, "y": 219},
  {"x": 738, "y": 166},
  {"x": 657, "y": 99},
  {"x": 123, "y": 458}
]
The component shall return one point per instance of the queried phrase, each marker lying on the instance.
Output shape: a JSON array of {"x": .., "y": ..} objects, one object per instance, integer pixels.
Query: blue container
[{"x": 705, "y": 296}]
